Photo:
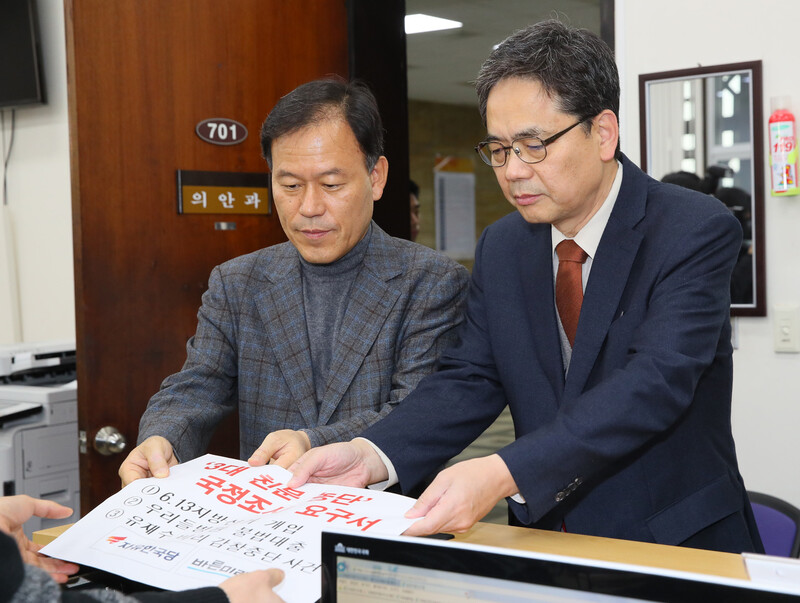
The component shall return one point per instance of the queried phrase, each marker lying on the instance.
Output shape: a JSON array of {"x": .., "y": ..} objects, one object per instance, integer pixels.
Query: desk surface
[
  {"x": 48, "y": 535},
  {"x": 713, "y": 563}
]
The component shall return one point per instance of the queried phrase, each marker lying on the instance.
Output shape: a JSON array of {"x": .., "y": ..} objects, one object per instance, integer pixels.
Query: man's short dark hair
[
  {"x": 321, "y": 100},
  {"x": 574, "y": 67},
  {"x": 413, "y": 188}
]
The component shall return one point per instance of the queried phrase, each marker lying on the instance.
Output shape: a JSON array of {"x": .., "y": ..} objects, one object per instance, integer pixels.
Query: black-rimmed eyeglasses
[{"x": 530, "y": 149}]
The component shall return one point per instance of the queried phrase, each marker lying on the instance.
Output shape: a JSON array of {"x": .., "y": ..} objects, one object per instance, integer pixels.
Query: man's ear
[
  {"x": 607, "y": 128},
  {"x": 378, "y": 177}
]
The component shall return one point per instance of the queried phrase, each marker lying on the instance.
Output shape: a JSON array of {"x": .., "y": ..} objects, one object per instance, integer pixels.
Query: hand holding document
[{"x": 216, "y": 517}]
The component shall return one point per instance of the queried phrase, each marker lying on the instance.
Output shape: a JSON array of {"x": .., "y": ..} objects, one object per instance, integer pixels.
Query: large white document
[{"x": 215, "y": 517}]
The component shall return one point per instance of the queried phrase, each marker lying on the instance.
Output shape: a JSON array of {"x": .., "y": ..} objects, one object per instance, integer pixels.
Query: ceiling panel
[{"x": 442, "y": 65}]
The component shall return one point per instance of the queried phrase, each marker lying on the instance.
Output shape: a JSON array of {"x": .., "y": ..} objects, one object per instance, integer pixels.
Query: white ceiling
[{"x": 443, "y": 64}]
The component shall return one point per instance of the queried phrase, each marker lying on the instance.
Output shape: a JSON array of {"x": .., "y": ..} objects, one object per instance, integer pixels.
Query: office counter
[
  {"x": 48, "y": 535},
  {"x": 713, "y": 563},
  {"x": 726, "y": 565}
]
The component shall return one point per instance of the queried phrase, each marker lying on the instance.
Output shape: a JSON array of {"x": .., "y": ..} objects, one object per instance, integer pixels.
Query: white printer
[{"x": 39, "y": 425}]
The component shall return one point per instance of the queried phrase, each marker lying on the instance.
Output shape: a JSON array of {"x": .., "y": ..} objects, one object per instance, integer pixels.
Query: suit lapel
[
  {"x": 281, "y": 309},
  {"x": 609, "y": 276},
  {"x": 370, "y": 301},
  {"x": 535, "y": 260}
]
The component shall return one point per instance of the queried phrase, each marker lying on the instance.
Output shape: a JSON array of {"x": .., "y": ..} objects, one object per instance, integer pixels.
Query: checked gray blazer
[{"x": 251, "y": 347}]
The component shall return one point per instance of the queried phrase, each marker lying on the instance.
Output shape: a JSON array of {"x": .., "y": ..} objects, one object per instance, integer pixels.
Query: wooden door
[{"x": 142, "y": 74}]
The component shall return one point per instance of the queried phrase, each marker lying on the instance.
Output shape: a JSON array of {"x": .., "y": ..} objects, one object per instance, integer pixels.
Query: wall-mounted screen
[{"x": 20, "y": 73}]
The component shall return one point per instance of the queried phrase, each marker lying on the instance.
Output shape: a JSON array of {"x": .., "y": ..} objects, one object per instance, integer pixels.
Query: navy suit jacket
[{"x": 636, "y": 442}]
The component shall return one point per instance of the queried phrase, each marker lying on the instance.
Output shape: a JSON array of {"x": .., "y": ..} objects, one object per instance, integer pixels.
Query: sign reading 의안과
[
  {"x": 202, "y": 192},
  {"x": 224, "y": 200}
]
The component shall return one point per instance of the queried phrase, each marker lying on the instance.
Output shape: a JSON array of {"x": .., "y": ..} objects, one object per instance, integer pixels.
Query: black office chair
[{"x": 778, "y": 523}]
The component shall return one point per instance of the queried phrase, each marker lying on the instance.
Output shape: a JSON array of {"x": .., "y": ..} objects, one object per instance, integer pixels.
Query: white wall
[
  {"x": 655, "y": 35},
  {"x": 36, "y": 224}
]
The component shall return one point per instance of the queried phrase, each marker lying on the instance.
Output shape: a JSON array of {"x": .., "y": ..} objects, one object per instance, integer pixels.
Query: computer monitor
[{"x": 361, "y": 569}]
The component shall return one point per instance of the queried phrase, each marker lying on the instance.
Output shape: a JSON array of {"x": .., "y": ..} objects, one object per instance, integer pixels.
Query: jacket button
[{"x": 560, "y": 496}]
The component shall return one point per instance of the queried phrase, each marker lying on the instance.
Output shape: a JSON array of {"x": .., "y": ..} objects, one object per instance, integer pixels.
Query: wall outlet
[{"x": 786, "y": 328}]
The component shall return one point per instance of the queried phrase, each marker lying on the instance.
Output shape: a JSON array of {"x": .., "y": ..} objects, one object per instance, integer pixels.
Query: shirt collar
[{"x": 589, "y": 236}]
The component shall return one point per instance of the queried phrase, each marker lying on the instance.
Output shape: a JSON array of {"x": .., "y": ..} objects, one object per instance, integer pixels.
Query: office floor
[{"x": 499, "y": 434}]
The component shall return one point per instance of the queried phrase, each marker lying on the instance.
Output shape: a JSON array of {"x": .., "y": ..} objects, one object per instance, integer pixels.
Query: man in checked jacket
[{"x": 317, "y": 338}]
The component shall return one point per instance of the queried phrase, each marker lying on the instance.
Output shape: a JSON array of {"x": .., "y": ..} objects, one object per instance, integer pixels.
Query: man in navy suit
[{"x": 622, "y": 426}]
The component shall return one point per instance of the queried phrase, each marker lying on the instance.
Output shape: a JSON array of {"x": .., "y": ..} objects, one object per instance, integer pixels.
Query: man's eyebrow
[
  {"x": 528, "y": 132},
  {"x": 332, "y": 172},
  {"x": 533, "y": 131},
  {"x": 283, "y": 173}
]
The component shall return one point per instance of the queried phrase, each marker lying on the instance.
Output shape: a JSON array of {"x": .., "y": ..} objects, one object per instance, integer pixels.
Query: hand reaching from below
[
  {"x": 253, "y": 587},
  {"x": 15, "y": 511}
]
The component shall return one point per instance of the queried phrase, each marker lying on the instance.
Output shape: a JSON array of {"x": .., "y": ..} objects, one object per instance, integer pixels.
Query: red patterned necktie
[{"x": 569, "y": 285}]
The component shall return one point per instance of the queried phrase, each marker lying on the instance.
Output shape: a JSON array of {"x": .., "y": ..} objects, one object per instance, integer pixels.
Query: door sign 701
[{"x": 221, "y": 131}]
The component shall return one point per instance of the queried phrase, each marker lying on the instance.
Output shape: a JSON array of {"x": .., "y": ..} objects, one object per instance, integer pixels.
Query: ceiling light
[{"x": 421, "y": 23}]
